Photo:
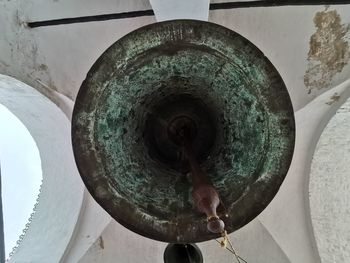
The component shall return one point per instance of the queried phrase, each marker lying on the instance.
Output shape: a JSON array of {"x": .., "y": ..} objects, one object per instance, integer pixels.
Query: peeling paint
[
  {"x": 333, "y": 99},
  {"x": 329, "y": 51}
]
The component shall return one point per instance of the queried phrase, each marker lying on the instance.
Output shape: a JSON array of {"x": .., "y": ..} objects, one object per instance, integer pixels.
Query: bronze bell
[
  {"x": 182, "y": 253},
  {"x": 182, "y": 129}
]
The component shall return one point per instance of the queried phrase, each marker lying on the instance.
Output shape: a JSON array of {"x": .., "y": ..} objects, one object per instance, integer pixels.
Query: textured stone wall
[{"x": 329, "y": 189}]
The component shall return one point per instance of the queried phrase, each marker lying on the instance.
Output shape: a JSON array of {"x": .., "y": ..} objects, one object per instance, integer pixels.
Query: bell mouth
[
  {"x": 182, "y": 253},
  {"x": 170, "y": 119},
  {"x": 158, "y": 80}
]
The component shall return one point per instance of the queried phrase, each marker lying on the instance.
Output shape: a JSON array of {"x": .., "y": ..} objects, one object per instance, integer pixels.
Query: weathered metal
[
  {"x": 182, "y": 253},
  {"x": 242, "y": 125}
]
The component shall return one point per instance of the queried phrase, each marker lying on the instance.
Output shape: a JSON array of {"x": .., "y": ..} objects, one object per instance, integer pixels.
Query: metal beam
[
  {"x": 275, "y": 3},
  {"x": 213, "y": 6}
]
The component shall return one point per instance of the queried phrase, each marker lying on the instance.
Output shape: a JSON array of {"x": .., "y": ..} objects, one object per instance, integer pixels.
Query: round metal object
[
  {"x": 182, "y": 253},
  {"x": 152, "y": 82}
]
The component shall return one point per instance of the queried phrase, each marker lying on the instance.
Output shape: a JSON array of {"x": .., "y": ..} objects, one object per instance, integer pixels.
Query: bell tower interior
[{"x": 179, "y": 131}]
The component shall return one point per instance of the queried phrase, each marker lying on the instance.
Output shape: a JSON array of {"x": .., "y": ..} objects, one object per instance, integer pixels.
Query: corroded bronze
[{"x": 197, "y": 74}]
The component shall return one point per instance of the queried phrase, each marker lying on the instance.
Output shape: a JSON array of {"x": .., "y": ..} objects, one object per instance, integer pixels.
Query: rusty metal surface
[{"x": 252, "y": 112}]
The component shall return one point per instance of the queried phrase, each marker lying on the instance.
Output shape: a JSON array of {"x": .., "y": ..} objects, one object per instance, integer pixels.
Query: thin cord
[
  {"x": 234, "y": 252},
  {"x": 223, "y": 244},
  {"x": 231, "y": 251}
]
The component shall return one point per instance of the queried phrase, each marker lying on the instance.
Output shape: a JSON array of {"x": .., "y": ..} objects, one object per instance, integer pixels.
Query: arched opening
[
  {"x": 57, "y": 211},
  {"x": 21, "y": 178}
]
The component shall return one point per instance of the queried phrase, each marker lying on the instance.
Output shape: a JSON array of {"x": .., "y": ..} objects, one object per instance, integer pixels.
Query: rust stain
[
  {"x": 329, "y": 51},
  {"x": 333, "y": 99}
]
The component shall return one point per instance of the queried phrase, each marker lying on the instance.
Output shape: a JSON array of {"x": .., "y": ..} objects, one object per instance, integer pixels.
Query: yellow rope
[
  {"x": 223, "y": 242},
  {"x": 226, "y": 240}
]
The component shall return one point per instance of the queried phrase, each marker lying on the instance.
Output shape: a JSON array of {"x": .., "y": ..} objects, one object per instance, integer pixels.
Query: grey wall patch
[{"x": 329, "y": 51}]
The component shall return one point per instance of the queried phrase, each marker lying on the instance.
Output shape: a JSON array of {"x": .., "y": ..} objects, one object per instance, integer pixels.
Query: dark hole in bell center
[
  {"x": 182, "y": 253},
  {"x": 171, "y": 118}
]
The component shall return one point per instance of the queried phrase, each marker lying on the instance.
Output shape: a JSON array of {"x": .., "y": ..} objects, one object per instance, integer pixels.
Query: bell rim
[{"x": 76, "y": 142}]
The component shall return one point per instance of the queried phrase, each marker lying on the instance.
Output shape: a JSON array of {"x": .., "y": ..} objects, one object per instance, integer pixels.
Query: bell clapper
[
  {"x": 204, "y": 194},
  {"x": 207, "y": 201}
]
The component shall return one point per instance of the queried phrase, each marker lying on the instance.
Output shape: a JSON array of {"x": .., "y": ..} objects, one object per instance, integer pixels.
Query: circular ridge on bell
[{"x": 153, "y": 82}]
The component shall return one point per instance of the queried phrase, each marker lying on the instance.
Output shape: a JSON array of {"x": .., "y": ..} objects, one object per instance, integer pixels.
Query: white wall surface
[
  {"x": 180, "y": 9},
  {"x": 61, "y": 196}
]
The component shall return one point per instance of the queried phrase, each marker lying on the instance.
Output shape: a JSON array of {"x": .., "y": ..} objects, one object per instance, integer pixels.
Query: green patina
[{"x": 246, "y": 96}]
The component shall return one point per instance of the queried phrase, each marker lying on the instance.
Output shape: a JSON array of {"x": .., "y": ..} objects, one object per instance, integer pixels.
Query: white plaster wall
[
  {"x": 181, "y": 9},
  {"x": 253, "y": 242},
  {"x": 117, "y": 244},
  {"x": 329, "y": 189},
  {"x": 61, "y": 196},
  {"x": 60, "y": 56},
  {"x": 92, "y": 222},
  {"x": 287, "y": 218},
  {"x": 283, "y": 34}
]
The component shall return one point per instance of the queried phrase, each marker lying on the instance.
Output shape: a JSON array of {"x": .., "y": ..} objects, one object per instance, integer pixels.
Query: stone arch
[{"x": 62, "y": 192}]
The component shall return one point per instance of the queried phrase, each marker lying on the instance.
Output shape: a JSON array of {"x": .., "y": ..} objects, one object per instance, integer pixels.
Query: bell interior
[{"x": 171, "y": 115}]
